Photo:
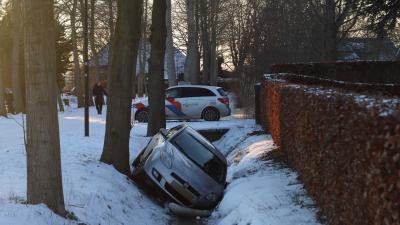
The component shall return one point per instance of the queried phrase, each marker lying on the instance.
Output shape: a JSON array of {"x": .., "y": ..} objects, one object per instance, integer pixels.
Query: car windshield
[{"x": 198, "y": 150}]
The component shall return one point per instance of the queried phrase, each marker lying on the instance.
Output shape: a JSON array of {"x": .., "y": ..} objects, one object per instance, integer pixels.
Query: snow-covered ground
[{"x": 259, "y": 191}]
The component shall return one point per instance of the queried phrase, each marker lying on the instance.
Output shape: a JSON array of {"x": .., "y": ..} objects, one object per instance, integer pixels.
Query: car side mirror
[{"x": 164, "y": 132}]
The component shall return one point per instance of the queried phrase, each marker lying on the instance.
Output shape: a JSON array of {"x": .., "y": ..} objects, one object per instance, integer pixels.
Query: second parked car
[{"x": 189, "y": 102}]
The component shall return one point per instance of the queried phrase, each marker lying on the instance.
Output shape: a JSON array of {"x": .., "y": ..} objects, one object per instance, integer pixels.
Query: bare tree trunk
[
  {"x": 111, "y": 27},
  {"x": 156, "y": 69},
  {"x": 196, "y": 79},
  {"x": 331, "y": 32},
  {"x": 125, "y": 47},
  {"x": 170, "y": 51},
  {"x": 142, "y": 64},
  {"x": 75, "y": 53},
  {"x": 3, "y": 111},
  {"x": 44, "y": 183},
  {"x": 191, "y": 73},
  {"x": 213, "y": 54},
  {"x": 143, "y": 55},
  {"x": 60, "y": 101},
  {"x": 92, "y": 41},
  {"x": 205, "y": 41},
  {"x": 16, "y": 48},
  {"x": 82, "y": 11}
]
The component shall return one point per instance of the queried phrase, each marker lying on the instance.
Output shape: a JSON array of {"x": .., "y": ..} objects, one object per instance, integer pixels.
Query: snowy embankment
[{"x": 258, "y": 193}]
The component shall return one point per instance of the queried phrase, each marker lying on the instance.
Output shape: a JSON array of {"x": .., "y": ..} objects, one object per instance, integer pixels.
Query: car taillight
[
  {"x": 139, "y": 106},
  {"x": 224, "y": 100}
]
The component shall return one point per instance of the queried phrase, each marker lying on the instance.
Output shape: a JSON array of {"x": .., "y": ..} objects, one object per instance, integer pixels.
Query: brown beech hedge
[{"x": 343, "y": 140}]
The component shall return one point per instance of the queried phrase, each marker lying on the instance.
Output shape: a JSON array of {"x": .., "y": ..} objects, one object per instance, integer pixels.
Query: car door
[
  {"x": 195, "y": 100},
  {"x": 181, "y": 103},
  {"x": 173, "y": 105}
]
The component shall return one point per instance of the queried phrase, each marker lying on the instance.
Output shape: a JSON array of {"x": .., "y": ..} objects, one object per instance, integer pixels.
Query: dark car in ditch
[{"x": 184, "y": 167}]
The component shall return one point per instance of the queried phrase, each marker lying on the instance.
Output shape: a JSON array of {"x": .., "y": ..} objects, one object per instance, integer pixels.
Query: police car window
[
  {"x": 196, "y": 92},
  {"x": 173, "y": 93}
]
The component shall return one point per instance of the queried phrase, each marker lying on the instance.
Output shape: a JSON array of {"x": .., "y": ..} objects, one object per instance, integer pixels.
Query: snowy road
[{"x": 260, "y": 192}]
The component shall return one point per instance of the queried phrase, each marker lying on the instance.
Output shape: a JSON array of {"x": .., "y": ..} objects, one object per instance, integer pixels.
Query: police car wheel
[
  {"x": 142, "y": 116},
  {"x": 210, "y": 114}
]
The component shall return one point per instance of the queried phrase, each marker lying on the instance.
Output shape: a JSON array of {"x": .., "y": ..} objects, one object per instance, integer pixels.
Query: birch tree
[
  {"x": 44, "y": 183},
  {"x": 125, "y": 47}
]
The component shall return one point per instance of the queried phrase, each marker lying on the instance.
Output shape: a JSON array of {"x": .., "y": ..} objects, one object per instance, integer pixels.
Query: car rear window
[
  {"x": 222, "y": 92},
  {"x": 197, "y": 150}
]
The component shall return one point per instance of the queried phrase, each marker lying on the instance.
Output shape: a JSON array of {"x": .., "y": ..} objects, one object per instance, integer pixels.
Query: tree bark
[
  {"x": 213, "y": 48},
  {"x": 111, "y": 27},
  {"x": 205, "y": 41},
  {"x": 59, "y": 99},
  {"x": 16, "y": 48},
  {"x": 95, "y": 58},
  {"x": 191, "y": 73},
  {"x": 331, "y": 32},
  {"x": 125, "y": 47},
  {"x": 156, "y": 70},
  {"x": 75, "y": 53},
  {"x": 44, "y": 183},
  {"x": 170, "y": 51},
  {"x": 143, "y": 54},
  {"x": 3, "y": 111}
]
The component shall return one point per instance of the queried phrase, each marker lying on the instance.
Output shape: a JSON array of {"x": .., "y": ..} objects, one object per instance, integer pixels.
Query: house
[
  {"x": 381, "y": 49},
  {"x": 103, "y": 63}
]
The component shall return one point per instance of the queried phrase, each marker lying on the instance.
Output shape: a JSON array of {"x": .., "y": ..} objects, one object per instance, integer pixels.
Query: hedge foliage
[{"x": 345, "y": 146}]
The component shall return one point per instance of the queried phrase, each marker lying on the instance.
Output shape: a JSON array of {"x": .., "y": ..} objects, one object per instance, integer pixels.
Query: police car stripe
[
  {"x": 175, "y": 110},
  {"x": 175, "y": 107}
]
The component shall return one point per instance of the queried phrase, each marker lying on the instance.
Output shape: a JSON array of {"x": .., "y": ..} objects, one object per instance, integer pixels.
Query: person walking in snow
[
  {"x": 9, "y": 96},
  {"x": 98, "y": 93}
]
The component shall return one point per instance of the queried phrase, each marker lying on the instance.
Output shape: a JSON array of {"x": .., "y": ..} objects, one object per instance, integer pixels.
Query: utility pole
[{"x": 86, "y": 66}]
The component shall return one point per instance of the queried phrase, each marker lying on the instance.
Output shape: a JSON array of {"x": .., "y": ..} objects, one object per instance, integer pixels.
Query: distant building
[
  {"x": 103, "y": 63},
  {"x": 381, "y": 49}
]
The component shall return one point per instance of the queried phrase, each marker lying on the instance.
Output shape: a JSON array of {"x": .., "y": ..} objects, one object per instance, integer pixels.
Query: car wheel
[
  {"x": 211, "y": 114},
  {"x": 142, "y": 116}
]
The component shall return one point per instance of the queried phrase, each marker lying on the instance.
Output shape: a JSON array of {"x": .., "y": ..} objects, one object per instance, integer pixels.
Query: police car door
[
  {"x": 192, "y": 101},
  {"x": 173, "y": 106}
]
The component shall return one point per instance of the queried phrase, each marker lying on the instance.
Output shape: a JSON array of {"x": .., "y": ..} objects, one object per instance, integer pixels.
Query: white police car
[{"x": 189, "y": 102}]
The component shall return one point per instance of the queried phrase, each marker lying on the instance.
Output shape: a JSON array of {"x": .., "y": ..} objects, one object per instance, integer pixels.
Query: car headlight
[{"x": 167, "y": 156}]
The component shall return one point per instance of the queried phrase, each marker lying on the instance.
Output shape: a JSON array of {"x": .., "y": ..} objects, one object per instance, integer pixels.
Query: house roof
[
  {"x": 180, "y": 59},
  {"x": 367, "y": 49}
]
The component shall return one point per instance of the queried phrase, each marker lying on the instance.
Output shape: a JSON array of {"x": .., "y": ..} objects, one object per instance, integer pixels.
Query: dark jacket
[{"x": 98, "y": 93}]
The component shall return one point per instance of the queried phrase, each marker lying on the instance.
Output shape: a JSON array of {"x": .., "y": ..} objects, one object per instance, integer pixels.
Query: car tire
[
  {"x": 142, "y": 116},
  {"x": 211, "y": 114}
]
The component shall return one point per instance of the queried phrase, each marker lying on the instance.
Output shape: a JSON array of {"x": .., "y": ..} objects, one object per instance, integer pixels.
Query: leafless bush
[{"x": 244, "y": 91}]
